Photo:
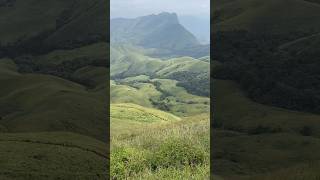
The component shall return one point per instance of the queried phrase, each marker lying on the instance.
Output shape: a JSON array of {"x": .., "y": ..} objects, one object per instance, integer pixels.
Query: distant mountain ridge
[{"x": 162, "y": 32}]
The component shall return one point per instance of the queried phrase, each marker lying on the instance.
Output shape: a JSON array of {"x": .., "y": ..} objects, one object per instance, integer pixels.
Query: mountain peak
[
  {"x": 160, "y": 31},
  {"x": 167, "y": 14},
  {"x": 163, "y": 17}
]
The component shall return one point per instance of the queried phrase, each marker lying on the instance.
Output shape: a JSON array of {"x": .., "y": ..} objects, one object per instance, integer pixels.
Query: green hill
[
  {"x": 53, "y": 66},
  {"x": 52, "y": 25},
  {"x": 279, "y": 16},
  {"x": 34, "y": 102},
  {"x": 255, "y": 140},
  {"x": 192, "y": 74},
  {"x": 273, "y": 56},
  {"x": 162, "y": 94},
  {"x": 159, "y": 100},
  {"x": 56, "y": 155},
  {"x": 127, "y": 118}
]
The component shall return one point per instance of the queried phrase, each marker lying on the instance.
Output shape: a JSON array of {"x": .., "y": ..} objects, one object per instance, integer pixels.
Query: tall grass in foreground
[{"x": 179, "y": 150}]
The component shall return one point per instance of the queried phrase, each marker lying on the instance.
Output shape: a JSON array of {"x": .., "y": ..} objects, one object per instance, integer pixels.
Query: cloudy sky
[{"x": 135, "y": 8}]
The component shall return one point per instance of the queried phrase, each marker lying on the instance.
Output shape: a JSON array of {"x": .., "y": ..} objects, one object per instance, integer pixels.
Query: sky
[{"x": 135, "y": 8}]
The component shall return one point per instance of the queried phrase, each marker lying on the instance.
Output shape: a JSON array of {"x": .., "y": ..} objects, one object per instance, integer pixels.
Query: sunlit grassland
[{"x": 176, "y": 150}]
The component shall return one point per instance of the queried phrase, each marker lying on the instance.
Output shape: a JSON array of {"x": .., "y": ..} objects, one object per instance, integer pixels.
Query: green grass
[
  {"x": 299, "y": 15},
  {"x": 50, "y": 127},
  {"x": 143, "y": 91},
  {"x": 56, "y": 155},
  {"x": 151, "y": 144},
  {"x": 126, "y": 118},
  {"x": 255, "y": 141},
  {"x": 140, "y": 94},
  {"x": 33, "y": 107},
  {"x": 89, "y": 52},
  {"x": 129, "y": 61},
  {"x": 34, "y": 102},
  {"x": 304, "y": 171},
  {"x": 175, "y": 150},
  {"x": 44, "y": 17},
  {"x": 236, "y": 111}
]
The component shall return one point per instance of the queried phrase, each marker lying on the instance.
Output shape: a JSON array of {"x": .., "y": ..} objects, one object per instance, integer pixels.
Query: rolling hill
[
  {"x": 55, "y": 155},
  {"x": 277, "y": 16},
  {"x": 127, "y": 118},
  {"x": 35, "y": 103},
  {"x": 128, "y": 61},
  {"x": 258, "y": 141},
  {"x": 159, "y": 100},
  {"x": 53, "y": 66},
  {"x": 52, "y": 25},
  {"x": 163, "y": 94},
  {"x": 266, "y": 117},
  {"x": 273, "y": 56}
]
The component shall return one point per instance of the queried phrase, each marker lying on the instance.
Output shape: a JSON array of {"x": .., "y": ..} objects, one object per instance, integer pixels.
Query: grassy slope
[
  {"x": 34, "y": 102},
  {"x": 33, "y": 23},
  {"x": 190, "y": 138},
  {"x": 138, "y": 136},
  {"x": 126, "y": 117},
  {"x": 249, "y": 115},
  {"x": 130, "y": 61},
  {"x": 89, "y": 52},
  {"x": 58, "y": 155},
  {"x": 275, "y": 15},
  {"x": 43, "y": 19},
  {"x": 142, "y": 92},
  {"x": 255, "y": 139}
]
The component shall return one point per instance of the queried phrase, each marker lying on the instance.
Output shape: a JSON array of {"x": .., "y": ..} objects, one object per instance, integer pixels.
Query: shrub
[
  {"x": 126, "y": 162},
  {"x": 177, "y": 153}
]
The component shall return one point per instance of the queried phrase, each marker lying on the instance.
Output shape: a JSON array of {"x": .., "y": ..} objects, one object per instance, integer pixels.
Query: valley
[{"x": 160, "y": 101}]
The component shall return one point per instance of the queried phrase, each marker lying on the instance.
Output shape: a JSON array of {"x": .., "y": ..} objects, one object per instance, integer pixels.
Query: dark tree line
[
  {"x": 193, "y": 82},
  {"x": 65, "y": 70},
  {"x": 269, "y": 75}
]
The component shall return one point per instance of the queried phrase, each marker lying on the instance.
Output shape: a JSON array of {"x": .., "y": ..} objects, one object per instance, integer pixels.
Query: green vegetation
[
  {"x": 191, "y": 74},
  {"x": 153, "y": 144},
  {"x": 175, "y": 150},
  {"x": 255, "y": 141},
  {"x": 159, "y": 102},
  {"x": 53, "y": 66},
  {"x": 266, "y": 16},
  {"x": 56, "y": 155},
  {"x": 163, "y": 94},
  {"x": 266, "y": 117}
]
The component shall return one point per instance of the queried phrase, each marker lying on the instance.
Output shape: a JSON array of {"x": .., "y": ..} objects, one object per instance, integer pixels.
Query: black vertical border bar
[
  {"x": 212, "y": 96},
  {"x": 108, "y": 87}
]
